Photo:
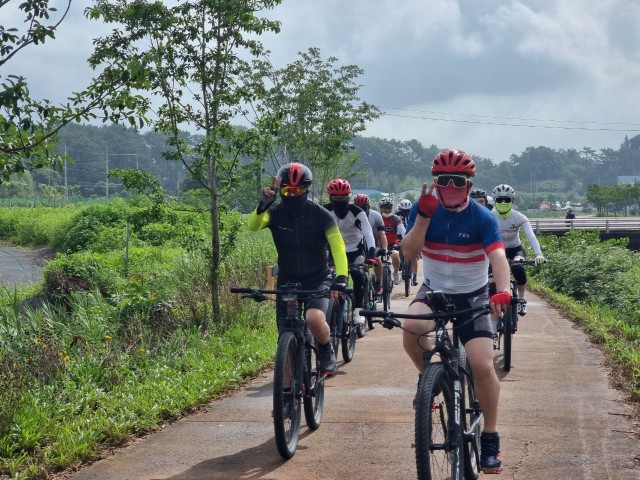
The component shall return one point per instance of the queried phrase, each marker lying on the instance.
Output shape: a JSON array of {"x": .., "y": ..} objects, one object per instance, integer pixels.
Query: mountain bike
[
  {"x": 296, "y": 377},
  {"x": 508, "y": 322},
  {"x": 448, "y": 419}
]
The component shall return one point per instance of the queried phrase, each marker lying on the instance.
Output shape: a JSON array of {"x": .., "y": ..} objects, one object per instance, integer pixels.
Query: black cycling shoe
[
  {"x": 490, "y": 460},
  {"x": 327, "y": 358}
]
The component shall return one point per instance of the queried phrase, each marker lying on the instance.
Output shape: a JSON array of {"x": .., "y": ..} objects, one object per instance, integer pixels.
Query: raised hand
[
  {"x": 427, "y": 203},
  {"x": 268, "y": 194}
]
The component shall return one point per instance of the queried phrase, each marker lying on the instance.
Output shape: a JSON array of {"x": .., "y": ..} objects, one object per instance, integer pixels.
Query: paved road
[
  {"x": 559, "y": 420},
  {"x": 19, "y": 266}
]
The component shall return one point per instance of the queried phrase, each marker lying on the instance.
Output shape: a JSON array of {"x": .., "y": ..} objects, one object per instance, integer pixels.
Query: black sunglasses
[
  {"x": 503, "y": 200},
  {"x": 458, "y": 180}
]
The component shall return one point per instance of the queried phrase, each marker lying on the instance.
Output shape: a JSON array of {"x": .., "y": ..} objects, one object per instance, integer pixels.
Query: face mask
[
  {"x": 503, "y": 209},
  {"x": 452, "y": 197},
  {"x": 386, "y": 215},
  {"x": 293, "y": 203},
  {"x": 341, "y": 208}
]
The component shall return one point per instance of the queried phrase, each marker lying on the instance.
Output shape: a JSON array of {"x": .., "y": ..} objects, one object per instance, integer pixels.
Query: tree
[
  {"x": 319, "y": 110},
  {"x": 28, "y": 125},
  {"x": 189, "y": 55}
]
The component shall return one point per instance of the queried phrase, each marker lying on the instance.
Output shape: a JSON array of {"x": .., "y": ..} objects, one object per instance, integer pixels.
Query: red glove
[
  {"x": 501, "y": 298},
  {"x": 427, "y": 205}
]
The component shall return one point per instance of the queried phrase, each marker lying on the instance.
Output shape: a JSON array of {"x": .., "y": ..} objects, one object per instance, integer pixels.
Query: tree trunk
[{"x": 215, "y": 243}]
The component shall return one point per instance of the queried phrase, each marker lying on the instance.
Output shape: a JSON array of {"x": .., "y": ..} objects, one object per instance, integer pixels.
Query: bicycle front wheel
[
  {"x": 334, "y": 311},
  {"x": 406, "y": 273},
  {"x": 386, "y": 288},
  {"x": 314, "y": 391},
  {"x": 348, "y": 331},
  {"x": 507, "y": 326},
  {"x": 286, "y": 396},
  {"x": 438, "y": 438},
  {"x": 472, "y": 418}
]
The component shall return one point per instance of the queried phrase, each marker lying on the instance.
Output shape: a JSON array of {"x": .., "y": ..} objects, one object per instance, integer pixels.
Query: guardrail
[{"x": 604, "y": 224}]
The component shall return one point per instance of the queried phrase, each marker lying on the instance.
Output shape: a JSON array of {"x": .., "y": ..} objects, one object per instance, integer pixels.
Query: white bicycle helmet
[
  {"x": 404, "y": 204},
  {"x": 504, "y": 190},
  {"x": 385, "y": 201}
]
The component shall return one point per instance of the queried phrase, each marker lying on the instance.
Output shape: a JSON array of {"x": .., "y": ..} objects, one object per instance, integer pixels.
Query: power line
[{"x": 559, "y": 127}]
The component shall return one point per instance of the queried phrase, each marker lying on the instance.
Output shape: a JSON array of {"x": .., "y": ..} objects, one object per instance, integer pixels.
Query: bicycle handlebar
[{"x": 481, "y": 309}]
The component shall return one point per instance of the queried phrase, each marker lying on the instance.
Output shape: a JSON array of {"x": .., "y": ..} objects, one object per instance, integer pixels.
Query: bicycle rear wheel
[
  {"x": 314, "y": 391},
  {"x": 348, "y": 330},
  {"x": 439, "y": 443},
  {"x": 286, "y": 396},
  {"x": 369, "y": 304}
]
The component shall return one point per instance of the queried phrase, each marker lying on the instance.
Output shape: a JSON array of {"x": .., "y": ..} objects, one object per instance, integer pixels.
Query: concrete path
[{"x": 559, "y": 419}]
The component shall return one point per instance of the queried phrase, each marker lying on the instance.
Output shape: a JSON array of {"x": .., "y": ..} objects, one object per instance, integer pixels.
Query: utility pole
[
  {"x": 66, "y": 188},
  {"x": 106, "y": 149}
]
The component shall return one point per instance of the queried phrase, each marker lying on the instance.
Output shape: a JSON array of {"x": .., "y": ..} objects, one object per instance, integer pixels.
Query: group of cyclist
[{"x": 456, "y": 236}]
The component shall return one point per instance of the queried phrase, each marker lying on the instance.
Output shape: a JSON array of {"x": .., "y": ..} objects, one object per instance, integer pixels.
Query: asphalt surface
[
  {"x": 559, "y": 419},
  {"x": 21, "y": 266}
]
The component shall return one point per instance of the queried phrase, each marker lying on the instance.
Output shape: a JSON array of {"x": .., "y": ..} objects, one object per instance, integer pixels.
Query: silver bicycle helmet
[
  {"x": 504, "y": 190},
  {"x": 404, "y": 204}
]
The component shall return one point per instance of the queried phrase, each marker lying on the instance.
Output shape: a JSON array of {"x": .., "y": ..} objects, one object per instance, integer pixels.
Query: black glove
[
  {"x": 381, "y": 252},
  {"x": 339, "y": 284},
  {"x": 371, "y": 253},
  {"x": 266, "y": 200}
]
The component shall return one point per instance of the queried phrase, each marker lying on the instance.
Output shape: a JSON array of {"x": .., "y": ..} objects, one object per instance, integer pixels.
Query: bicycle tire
[
  {"x": 472, "y": 415},
  {"x": 439, "y": 454},
  {"x": 333, "y": 319},
  {"x": 507, "y": 325},
  {"x": 386, "y": 288},
  {"x": 369, "y": 304},
  {"x": 313, "y": 397},
  {"x": 406, "y": 272},
  {"x": 348, "y": 331},
  {"x": 286, "y": 430}
]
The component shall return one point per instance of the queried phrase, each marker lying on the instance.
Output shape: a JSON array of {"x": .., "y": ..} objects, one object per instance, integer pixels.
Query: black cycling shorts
[
  {"x": 320, "y": 303},
  {"x": 466, "y": 330}
]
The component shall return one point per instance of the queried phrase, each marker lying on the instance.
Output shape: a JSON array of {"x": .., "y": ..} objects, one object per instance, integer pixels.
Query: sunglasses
[
  {"x": 503, "y": 200},
  {"x": 458, "y": 180},
  {"x": 292, "y": 191},
  {"x": 338, "y": 198}
]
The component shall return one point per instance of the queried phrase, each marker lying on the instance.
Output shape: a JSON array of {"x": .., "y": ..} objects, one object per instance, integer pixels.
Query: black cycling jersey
[{"x": 301, "y": 238}]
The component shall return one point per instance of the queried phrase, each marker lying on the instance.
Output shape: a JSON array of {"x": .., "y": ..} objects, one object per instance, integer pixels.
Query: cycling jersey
[
  {"x": 404, "y": 216},
  {"x": 377, "y": 224},
  {"x": 510, "y": 228},
  {"x": 456, "y": 247},
  {"x": 301, "y": 240},
  {"x": 355, "y": 229},
  {"x": 393, "y": 228}
]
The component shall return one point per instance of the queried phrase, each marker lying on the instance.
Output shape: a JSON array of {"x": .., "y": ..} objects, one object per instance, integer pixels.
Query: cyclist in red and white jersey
[
  {"x": 459, "y": 238},
  {"x": 394, "y": 229},
  {"x": 377, "y": 225}
]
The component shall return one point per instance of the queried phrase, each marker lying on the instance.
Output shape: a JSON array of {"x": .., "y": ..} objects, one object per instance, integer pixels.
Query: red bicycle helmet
[
  {"x": 338, "y": 187},
  {"x": 453, "y": 161},
  {"x": 295, "y": 175},
  {"x": 362, "y": 200}
]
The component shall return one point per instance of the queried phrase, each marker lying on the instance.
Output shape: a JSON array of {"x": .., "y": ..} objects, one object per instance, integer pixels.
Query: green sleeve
[
  {"x": 338, "y": 250},
  {"x": 258, "y": 221}
]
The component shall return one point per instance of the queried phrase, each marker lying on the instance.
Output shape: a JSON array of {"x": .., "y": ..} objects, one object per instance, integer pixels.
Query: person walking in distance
[
  {"x": 303, "y": 232},
  {"x": 458, "y": 239}
]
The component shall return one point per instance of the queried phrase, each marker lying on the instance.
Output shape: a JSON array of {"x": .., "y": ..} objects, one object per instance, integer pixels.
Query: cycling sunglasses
[
  {"x": 445, "y": 180},
  {"x": 293, "y": 191},
  {"x": 503, "y": 200}
]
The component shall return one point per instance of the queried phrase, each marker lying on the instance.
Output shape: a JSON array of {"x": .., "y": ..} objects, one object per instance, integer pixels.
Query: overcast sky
[{"x": 454, "y": 73}]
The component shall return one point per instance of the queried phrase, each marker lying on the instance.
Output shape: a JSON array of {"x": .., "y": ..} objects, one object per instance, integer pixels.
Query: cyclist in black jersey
[{"x": 302, "y": 230}]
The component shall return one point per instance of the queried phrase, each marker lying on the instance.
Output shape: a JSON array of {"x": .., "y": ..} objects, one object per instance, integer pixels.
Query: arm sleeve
[
  {"x": 367, "y": 232},
  {"x": 338, "y": 250},
  {"x": 258, "y": 221},
  {"x": 400, "y": 230},
  {"x": 533, "y": 241}
]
